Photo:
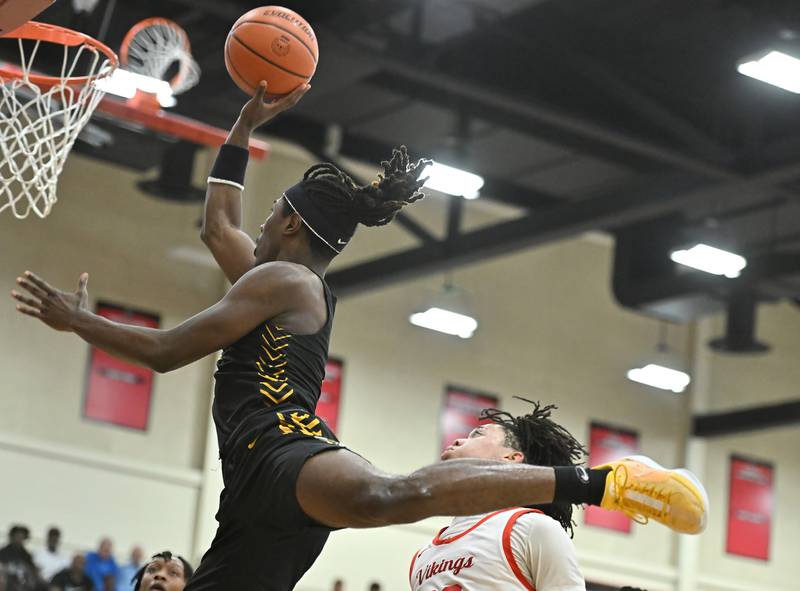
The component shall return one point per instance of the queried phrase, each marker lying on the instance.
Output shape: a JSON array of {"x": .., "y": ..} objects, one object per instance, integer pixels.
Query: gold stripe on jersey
[
  {"x": 271, "y": 366},
  {"x": 301, "y": 422}
]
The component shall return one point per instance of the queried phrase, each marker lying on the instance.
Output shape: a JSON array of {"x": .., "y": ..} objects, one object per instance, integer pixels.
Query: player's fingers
[
  {"x": 27, "y": 300},
  {"x": 260, "y": 92},
  {"x": 41, "y": 283},
  {"x": 28, "y": 311},
  {"x": 298, "y": 92},
  {"x": 293, "y": 97},
  {"x": 32, "y": 288}
]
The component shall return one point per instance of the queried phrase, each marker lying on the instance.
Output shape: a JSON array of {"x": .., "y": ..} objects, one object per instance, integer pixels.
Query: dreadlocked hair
[
  {"x": 543, "y": 442},
  {"x": 374, "y": 204},
  {"x": 166, "y": 556}
]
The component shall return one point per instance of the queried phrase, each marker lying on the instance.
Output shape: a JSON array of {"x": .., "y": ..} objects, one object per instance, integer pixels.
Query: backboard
[{"x": 15, "y": 13}]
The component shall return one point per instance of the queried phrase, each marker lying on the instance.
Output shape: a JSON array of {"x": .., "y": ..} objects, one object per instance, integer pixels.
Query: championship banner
[
  {"x": 605, "y": 445},
  {"x": 330, "y": 398},
  {"x": 750, "y": 507},
  {"x": 460, "y": 411},
  {"x": 116, "y": 391}
]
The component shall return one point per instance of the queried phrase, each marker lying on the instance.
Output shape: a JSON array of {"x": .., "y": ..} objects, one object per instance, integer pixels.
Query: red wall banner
[
  {"x": 606, "y": 444},
  {"x": 116, "y": 391},
  {"x": 750, "y": 507},
  {"x": 460, "y": 411},
  {"x": 330, "y": 398}
]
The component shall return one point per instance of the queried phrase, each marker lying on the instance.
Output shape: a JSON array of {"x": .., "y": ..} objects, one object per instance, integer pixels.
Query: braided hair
[
  {"x": 166, "y": 556},
  {"x": 374, "y": 204},
  {"x": 543, "y": 442}
]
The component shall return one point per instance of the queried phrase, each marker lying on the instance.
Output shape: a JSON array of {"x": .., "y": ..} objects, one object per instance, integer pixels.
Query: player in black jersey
[{"x": 282, "y": 494}]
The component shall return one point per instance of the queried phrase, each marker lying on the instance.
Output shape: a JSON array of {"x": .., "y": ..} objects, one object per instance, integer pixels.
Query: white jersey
[{"x": 509, "y": 550}]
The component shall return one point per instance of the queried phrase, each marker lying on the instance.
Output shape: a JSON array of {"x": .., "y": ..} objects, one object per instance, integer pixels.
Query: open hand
[
  {"x": 257, "y": 112},
  {"x": 57, "y": 309}
]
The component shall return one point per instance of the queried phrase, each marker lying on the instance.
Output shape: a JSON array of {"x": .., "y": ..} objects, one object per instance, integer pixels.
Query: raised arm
[
  {"x": 222, "y": 217},
  {"x": 269, "y": 291}
]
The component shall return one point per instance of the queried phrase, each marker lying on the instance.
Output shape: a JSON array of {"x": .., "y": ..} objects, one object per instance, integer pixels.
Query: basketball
[{"x": 274, "y": 44}]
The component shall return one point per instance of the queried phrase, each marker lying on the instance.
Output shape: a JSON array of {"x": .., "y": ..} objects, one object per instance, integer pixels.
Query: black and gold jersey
[{"x": 270, "y": 368}]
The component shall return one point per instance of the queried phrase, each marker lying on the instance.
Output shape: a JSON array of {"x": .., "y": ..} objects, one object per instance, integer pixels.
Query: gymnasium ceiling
[{"x": 626, "y": 116}]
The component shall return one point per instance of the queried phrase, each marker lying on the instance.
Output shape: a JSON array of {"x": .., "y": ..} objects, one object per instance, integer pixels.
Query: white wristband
[{"x": 212, "y": 179}]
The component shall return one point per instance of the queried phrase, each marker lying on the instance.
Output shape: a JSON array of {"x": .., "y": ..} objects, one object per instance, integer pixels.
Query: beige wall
[
  {"x": 549, "y": 331},
  {"x": 745, "y": 380},
  {"x": 781, "y": 447},
  {"x": 738, "y": 382}
]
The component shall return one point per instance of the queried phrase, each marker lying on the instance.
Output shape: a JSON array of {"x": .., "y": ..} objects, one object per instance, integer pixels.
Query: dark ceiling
[{"x": 620, "y": 115}]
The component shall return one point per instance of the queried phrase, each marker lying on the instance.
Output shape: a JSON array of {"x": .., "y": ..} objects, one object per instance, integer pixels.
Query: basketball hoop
[
  {"x": 153, "y": 46},
  {"x": 42, "y": 115}
]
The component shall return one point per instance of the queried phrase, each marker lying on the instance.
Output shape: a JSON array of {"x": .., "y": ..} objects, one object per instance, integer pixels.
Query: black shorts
[{"x": 264, "y": 541}]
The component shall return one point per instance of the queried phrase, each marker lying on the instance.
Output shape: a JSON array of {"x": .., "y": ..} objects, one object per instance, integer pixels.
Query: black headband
[{"x": 335, "y": 228}]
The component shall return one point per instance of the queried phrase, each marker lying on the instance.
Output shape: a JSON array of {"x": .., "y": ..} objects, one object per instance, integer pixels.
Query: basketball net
[
  {"x": 40, "y": 118},
  {"x": 153, "y": 46}
]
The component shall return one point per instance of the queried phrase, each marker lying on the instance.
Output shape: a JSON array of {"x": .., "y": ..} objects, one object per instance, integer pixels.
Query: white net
[
  {"x": 38, "y": 126},
  {"x": 159, "y": 47}
]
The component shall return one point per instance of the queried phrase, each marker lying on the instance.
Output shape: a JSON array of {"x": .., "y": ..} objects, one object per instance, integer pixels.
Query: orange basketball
[{"x": 274, "y": 44}]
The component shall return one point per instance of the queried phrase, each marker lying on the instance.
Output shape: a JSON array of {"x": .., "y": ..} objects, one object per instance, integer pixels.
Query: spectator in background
[
  {"x": 338, "y": 585},
  {"x": 48, "y": 559},
  {"x": 110, "y": 582},
  {"x": 73, "y": 578},
  {"x": 100, "y": 564},
  {"x": 17, "y": 563},
  {"x": 374, "y": 586},
  {"x": 127, "y": 572},
  {"x": 165, "y": 571}
]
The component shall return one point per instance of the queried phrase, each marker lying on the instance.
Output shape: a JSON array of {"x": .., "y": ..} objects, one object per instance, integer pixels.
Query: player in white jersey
[
  {"x": 505, "y": 550},
  {"x": 520, "y": 548}
]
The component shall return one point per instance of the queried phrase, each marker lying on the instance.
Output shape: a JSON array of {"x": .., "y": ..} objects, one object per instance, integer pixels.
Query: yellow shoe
[{"x": 644, "y": 490}]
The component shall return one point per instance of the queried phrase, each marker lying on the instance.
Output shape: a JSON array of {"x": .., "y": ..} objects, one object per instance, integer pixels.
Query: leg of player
[
  {"x": 340, "y": 489},
  {"x": 362, "y": 496}
]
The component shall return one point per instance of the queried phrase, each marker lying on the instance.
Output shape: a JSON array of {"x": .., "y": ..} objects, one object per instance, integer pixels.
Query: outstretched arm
[
  {"x": 222, "y": 216},
  {"x": 266, "y": 292}
]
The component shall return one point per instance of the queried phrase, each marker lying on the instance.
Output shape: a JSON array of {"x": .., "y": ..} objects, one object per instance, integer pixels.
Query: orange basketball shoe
[{"x": 644, "y": 490}]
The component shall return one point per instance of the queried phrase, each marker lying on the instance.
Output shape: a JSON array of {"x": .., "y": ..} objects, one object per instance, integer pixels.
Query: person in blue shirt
[
  {"x": 100, "y": 564},
  {"x": 127, "y": 572}
]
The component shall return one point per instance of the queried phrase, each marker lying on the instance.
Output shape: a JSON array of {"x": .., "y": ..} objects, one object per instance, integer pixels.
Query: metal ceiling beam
[
  {"x": 535, "y": 118},
  {"x": 226, "y": 10},
  {"x": 540, "y": 120},
  {"x": 538, "y": 228},
  {"x": 607, "y": 83},
  {"x": 610, "y": 84},
  {"x": 455, "y": 214},
  {"x": 414, "y": 228},
  {"x": 645, "y": 199},
  {"x": 749, "y": 419},
  {"x": 310, "y": 134},
  {"x": 477, "y": 108}
]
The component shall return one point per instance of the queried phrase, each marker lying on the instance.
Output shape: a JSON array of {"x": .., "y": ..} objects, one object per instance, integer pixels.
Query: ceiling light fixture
[
  {"x": 711, "y": 260},
  {"x": 661, "y": 377},
  {"x": 445, "y": 321},
  {"x": 124, "y": 84},
  {"x": 447, "y": 311},
  {"x": 776, "y": 68},
  {"x": 452, "y": 181},
  {"x": 660, "y": 369}
]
